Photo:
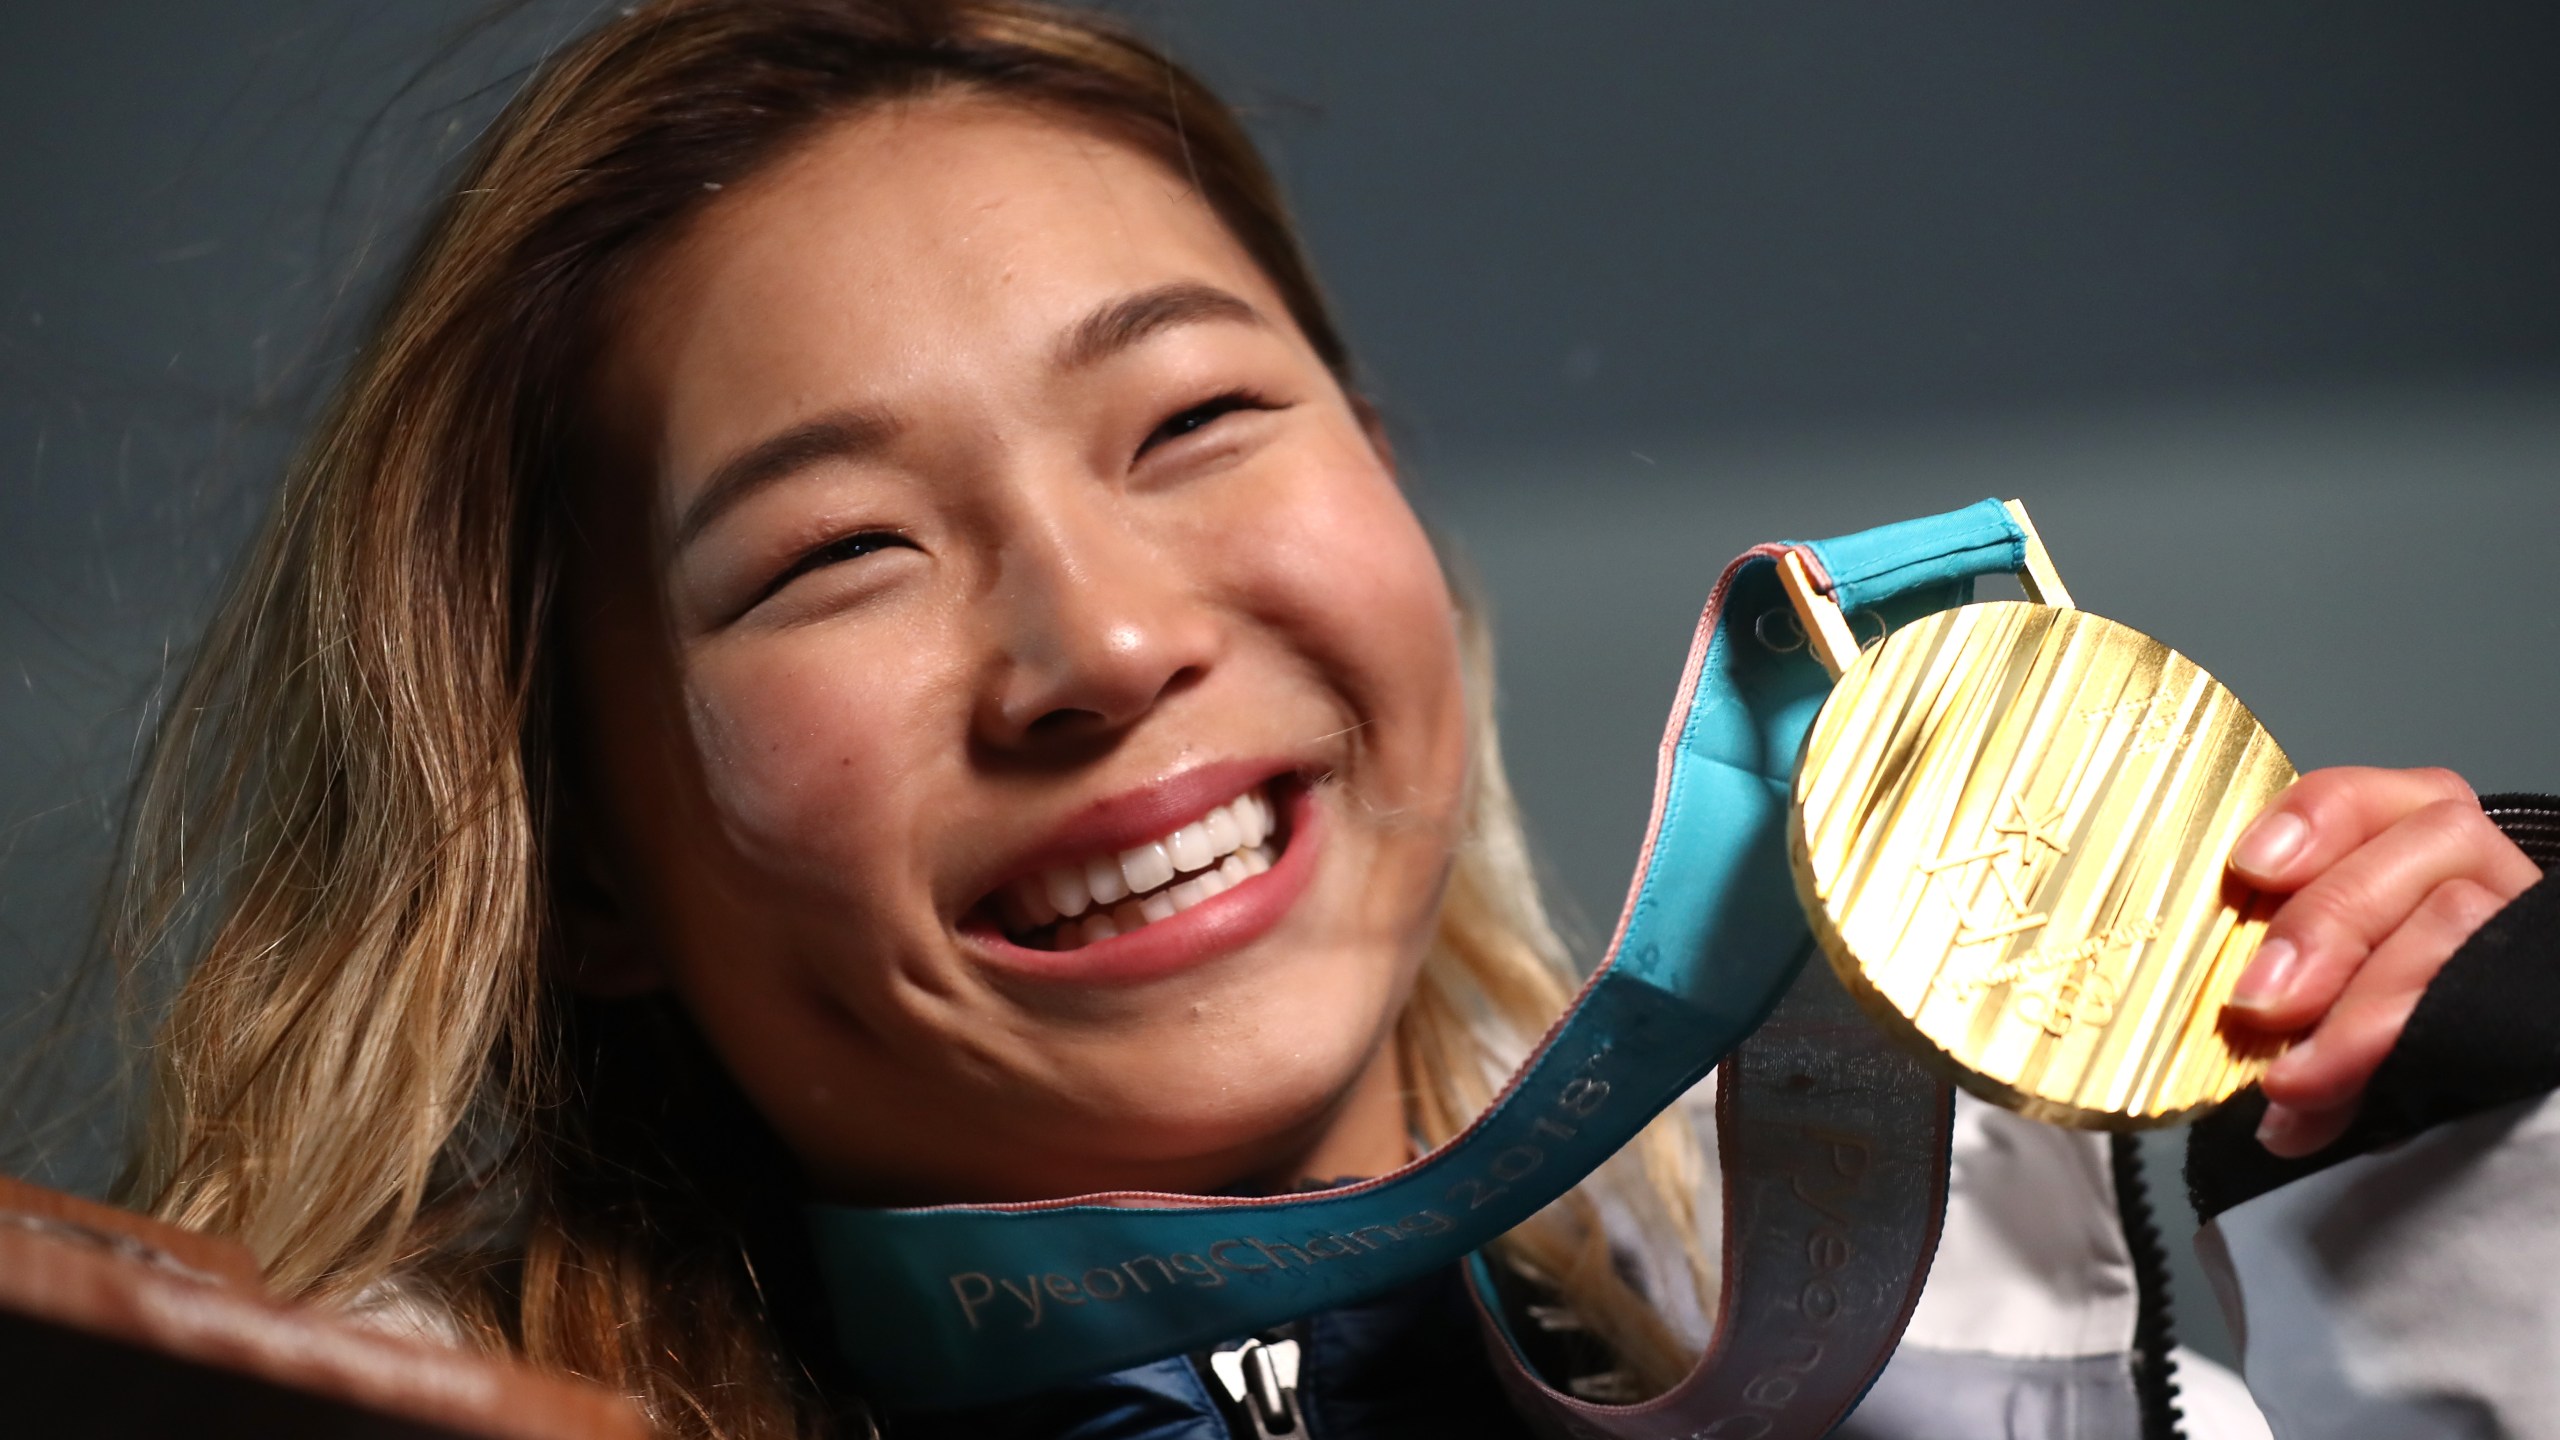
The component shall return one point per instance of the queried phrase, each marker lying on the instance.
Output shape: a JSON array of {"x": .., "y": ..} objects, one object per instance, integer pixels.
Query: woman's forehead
[
  {"x": 946, "y": 223},
  {"x": 929, "y": 250}
]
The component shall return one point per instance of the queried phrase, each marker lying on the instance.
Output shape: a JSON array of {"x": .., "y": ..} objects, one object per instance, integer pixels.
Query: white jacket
[{"x": 2405, "y": 1295}]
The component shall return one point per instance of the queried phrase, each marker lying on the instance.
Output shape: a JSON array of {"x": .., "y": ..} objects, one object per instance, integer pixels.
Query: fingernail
[
  {"x": 2295, "y": 1059},
  {"x": 2269, "y": 844},
  {"x": 2270, "y": 974},
  {"x": 2278, "y": 1128}
]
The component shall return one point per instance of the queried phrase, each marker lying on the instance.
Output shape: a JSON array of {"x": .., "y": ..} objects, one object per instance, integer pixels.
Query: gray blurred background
[{"x": 2258, "y": 306}]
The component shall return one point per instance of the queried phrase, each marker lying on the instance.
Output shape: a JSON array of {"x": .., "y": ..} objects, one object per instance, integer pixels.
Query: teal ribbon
[{"x": 959, "y": 1304}]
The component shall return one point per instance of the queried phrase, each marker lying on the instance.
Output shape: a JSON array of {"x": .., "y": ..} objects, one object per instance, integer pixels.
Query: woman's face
[{"x": 1031, "y": 736}]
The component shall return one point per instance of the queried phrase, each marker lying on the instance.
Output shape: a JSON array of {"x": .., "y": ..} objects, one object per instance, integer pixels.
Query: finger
[
  {"x": 2329, "y": 1069},
  {"x": 2319, "y": 937},
  {"x": 2292, "y": 1133},
  {"x": 2328, "y": 813}
]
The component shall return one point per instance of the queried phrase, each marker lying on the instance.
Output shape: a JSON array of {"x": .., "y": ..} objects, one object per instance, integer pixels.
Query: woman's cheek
[
  {"x": 1369, "y": 582},
  {"x": 1345, "y": 571},
  {"x": 1335, "y": 543},
  {"x": 801, "y": 754}
]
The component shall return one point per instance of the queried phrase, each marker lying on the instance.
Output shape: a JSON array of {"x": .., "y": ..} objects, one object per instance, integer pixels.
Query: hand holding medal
[
  {"x": 2015, "y": 829},
  {"x": 2387, "y": 873}
]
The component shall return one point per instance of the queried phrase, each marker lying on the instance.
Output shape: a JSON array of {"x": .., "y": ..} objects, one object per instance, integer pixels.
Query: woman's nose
[{"x": 1096, "y": 627}]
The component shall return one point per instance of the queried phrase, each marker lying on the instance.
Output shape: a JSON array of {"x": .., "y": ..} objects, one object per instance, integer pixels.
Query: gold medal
[{"x": 2011, "y": 831}]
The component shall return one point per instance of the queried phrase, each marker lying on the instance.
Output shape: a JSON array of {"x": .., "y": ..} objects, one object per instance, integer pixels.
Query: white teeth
[
  {"x": 1111, "y": 895},
  {"x": 1065, "y": 890},
  {"x": 1102, "y": 877},
  {"x": 1147, "y": 867},
  {"x": 1189, "y": 847},
  {"x": 1223, "y": 833},
  {"x": 1164, "y": 904}
]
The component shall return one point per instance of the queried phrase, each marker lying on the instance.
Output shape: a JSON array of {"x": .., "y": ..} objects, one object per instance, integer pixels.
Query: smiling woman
[
  {"x": 850, "y": 642},
  {"x": 848, "y": 639}
]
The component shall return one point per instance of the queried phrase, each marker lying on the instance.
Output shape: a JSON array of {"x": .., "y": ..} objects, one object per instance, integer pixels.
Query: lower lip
[{"x": 1220, "y": 925}]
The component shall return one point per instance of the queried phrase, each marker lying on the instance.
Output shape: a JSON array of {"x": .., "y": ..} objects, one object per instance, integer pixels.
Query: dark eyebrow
[
  {"x": 1126, "y": 321},
  {"x": 845, "y": 435}
]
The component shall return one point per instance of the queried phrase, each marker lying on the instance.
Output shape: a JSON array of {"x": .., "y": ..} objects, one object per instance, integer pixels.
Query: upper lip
[{"x": 1133, "y": 817}]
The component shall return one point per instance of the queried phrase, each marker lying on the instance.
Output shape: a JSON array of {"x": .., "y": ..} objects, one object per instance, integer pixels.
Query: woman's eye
[
  {"x": 835, "y": 552},
  {"x": 1202, "y": 415}
]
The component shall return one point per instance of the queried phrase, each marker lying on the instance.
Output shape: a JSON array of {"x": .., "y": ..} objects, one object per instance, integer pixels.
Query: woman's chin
[{"x": 1220, "y": 1050}]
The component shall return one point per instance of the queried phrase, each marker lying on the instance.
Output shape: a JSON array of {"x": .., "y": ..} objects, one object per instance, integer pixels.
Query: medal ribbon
[{"x": 967, "y": 1304}]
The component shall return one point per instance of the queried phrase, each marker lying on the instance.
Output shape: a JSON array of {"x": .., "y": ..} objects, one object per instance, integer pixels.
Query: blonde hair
[{"x": 346, "y": 823}]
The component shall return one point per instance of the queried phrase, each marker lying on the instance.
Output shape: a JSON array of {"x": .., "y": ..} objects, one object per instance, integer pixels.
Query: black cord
[{"x": 2155, "y": 1378}]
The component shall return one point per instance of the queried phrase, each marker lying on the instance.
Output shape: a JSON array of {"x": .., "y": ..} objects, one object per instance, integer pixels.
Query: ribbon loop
[{"x": 1834, "y": 1149}]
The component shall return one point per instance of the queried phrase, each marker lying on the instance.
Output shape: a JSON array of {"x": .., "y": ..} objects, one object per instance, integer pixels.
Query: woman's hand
[{"x": 2389, "y": 871}]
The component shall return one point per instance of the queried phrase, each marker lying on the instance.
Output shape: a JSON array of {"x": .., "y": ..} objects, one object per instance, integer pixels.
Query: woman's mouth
[{"x": 1115, "y": 893}]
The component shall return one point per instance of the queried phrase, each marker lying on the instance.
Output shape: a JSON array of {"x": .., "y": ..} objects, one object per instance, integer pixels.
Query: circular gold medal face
[{"x": 2011, "y": 828}]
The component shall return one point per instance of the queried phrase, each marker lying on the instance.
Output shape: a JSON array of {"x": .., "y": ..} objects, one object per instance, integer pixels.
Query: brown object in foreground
[{"x": 112, "y": 1324}]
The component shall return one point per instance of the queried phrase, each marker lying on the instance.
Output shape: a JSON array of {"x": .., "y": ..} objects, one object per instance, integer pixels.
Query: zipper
[
  {"x": 1259, "y": 1380},
  {"x": 2155, "y": 1379}
]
